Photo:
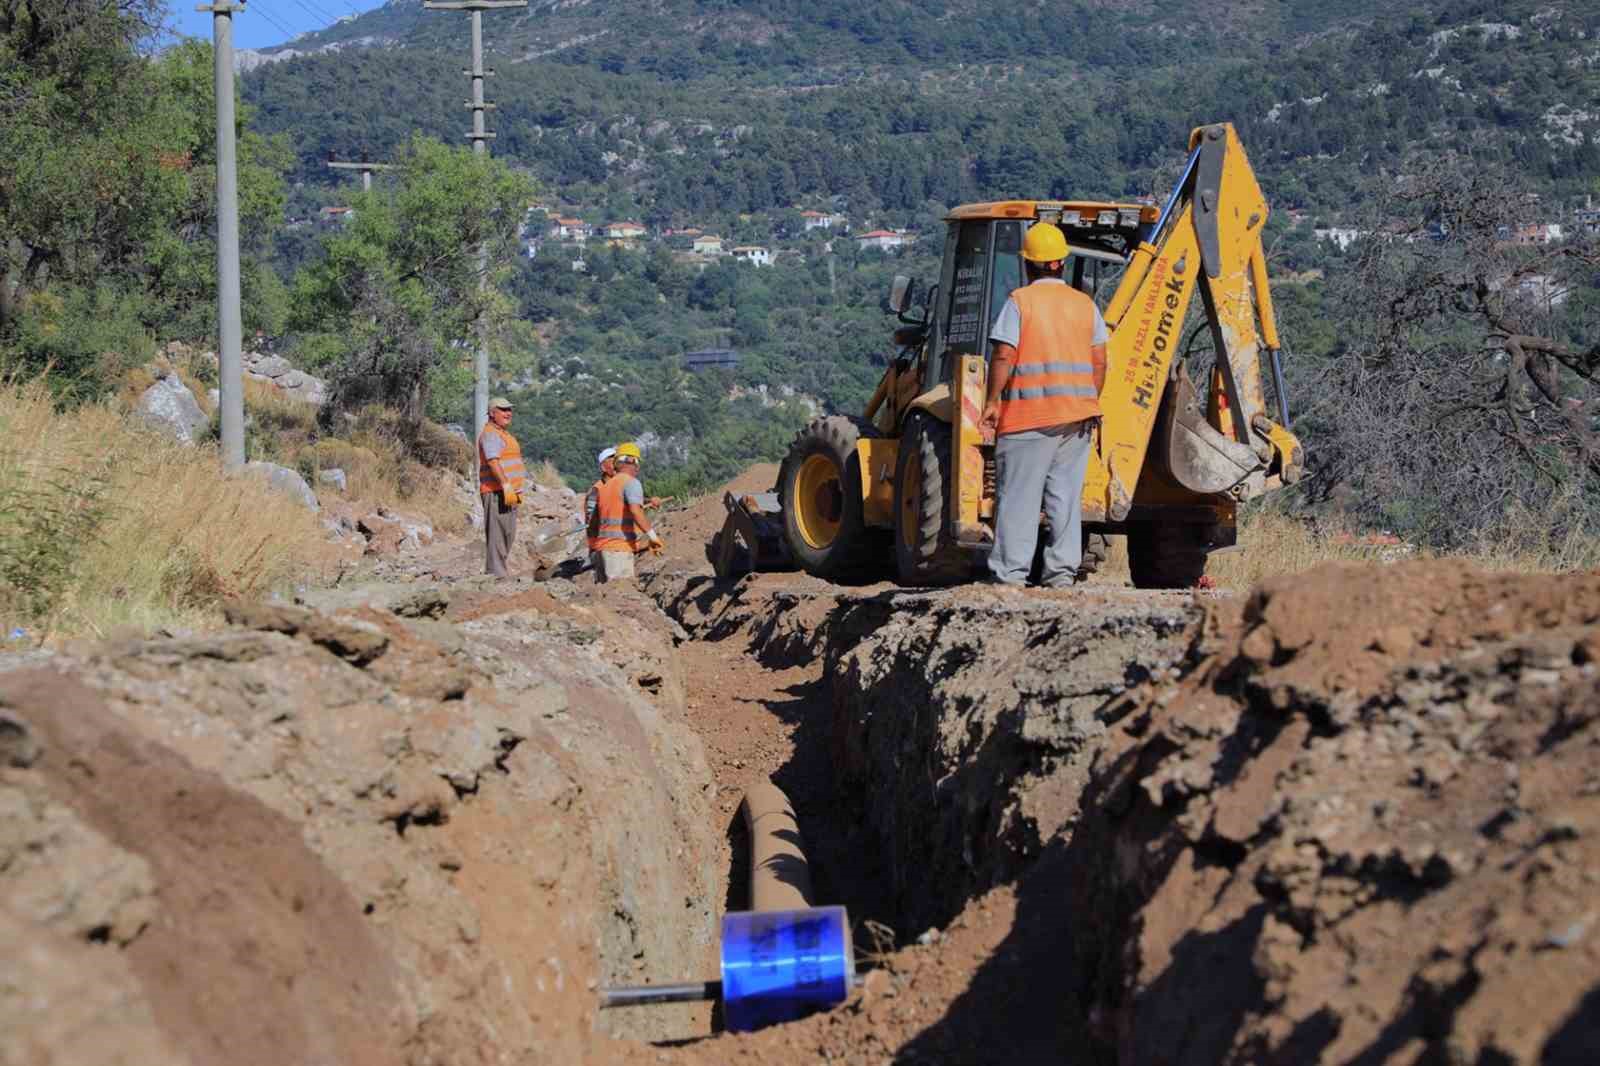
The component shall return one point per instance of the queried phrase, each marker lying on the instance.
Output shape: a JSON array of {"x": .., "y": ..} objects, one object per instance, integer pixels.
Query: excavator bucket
[
  {"x": 752, "y": 537},
  {"x": 1198, "y": 457}
]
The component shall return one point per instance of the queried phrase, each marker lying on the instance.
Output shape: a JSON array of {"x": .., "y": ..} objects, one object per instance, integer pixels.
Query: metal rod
[
  {"x": 230, "y": 331},
  {"x": 639, "y": 995},
  {"x": 1279, "y": 387}
]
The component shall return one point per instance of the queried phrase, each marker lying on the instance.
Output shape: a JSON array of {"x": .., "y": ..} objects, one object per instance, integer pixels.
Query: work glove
[
  {"x": 512, "y": 497},
  {"x": 657, "y": 545}
]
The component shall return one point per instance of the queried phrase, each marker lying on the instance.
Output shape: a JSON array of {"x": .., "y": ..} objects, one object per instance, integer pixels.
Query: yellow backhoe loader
[{"x": 1167, "y": 472}]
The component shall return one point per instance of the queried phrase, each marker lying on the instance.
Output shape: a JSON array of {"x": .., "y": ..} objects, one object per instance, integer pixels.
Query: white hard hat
[{"x": 607, "y": 454}]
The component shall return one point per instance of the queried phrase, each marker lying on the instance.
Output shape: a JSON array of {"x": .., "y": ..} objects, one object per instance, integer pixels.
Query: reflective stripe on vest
[
  {"x": 615, "y": 530},
  {"x": 510, "y": 459},
  {"x": 1052, "y": 382}
]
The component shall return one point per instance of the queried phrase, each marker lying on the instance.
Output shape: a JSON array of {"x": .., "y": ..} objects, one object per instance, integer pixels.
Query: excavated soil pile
[
  {"x": 413, "y": 834},
  {"x": 1365, "y": 828},
  {"x": 1352, "y": 818}
]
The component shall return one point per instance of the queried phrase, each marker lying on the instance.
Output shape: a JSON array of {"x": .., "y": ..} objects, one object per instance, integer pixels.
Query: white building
[
  {"x": 882, "y": 239},
  {"x": 818, "y": 220},
  {"x": 708, "y": 245},
  {"x": 753, "y": 253},
  {"x": 1340, "y": 236},
  {"x": 570, "y": 229},
  {"x": 624, "y": 231}
]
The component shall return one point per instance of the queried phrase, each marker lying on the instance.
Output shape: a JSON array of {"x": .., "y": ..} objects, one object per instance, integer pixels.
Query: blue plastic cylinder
[{"x": 781, "y": 965}]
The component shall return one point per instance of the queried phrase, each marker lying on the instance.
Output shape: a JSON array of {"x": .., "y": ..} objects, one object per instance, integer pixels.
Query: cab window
[
  {"x": 1006, "y": 274},
  {"x": 964, "y": 325}
]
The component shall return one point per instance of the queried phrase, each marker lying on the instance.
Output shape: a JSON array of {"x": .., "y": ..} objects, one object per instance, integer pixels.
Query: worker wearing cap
[
  {"x": 1045, "y": 376},
  {"x": 500, "y": 480},
  {"x": 621, "y": 524},
  {"x": 591, "y": 503}
]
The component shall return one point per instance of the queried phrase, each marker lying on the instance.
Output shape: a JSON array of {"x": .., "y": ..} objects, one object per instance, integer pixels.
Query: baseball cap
[{"x": 499, "y": 402}]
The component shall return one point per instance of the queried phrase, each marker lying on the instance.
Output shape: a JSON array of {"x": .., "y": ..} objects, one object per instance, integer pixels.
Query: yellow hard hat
[
  {"x": 629, "y": 450},
  {"x": 1044, "y": 244}
]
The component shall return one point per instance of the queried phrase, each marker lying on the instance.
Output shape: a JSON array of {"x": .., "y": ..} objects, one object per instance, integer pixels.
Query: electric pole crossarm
[{"x": 365, "y": 168}]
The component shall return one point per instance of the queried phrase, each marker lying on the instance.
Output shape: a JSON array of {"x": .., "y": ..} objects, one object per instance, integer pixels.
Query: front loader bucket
[
  {"x": 751, "y": 539},
  {"x": 1198, "y": 457}
]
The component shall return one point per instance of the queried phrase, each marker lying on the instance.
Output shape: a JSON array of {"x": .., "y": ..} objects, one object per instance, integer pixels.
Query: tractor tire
[
  {"x": 819, "y": 486},
  {"x": 924, "y": 553},
  {"x": 1165, "y": 556}
]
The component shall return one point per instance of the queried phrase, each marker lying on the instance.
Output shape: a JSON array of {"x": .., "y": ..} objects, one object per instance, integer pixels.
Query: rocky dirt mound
[
  {"x": 1353, "y": 818},
  {"x": 1365, "y": 828},
  {"x": 373, "y": 835}
]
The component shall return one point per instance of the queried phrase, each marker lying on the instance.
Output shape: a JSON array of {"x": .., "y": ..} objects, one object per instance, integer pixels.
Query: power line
[
  {"x": 314, "y": 14},
  {"x": 279, "y": 26}
]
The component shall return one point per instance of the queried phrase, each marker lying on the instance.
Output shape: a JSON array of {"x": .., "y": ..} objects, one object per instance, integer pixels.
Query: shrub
[{"x": 106, "y": 523}]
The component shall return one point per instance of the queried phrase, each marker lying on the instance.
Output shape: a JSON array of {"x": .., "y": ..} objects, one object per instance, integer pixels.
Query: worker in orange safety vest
[
  {"x": 591, "y": 503},
  {"x": 500, "y": 480},
  {"x": 1046, "y": 372},
  {"x": 621, "y": 527}
]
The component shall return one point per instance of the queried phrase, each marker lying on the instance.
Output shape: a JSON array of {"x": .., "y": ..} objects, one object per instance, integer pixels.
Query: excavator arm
[{"x": 1208, "y": 238}]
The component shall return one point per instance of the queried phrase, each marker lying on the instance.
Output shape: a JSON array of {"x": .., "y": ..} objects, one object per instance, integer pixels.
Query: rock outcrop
[
  {"x": 169, "y": 406},
  {"x": 278, "y": 371},
  {"x": 286, "y": 481},
  {"x": 360, "y": 836}
]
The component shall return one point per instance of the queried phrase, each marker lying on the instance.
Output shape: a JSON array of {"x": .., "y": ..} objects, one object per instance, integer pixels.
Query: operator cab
[{"x": 983, "y": 264}]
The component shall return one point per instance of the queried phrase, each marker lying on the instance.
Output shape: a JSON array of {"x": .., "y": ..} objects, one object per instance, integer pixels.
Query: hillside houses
[
  {"x": 707, "y": 244},
  {"x": 819, "y": 220},
  {"x": 883, "y": 239},
  {"x": 570, "y": 229},
  {"x": 1342, "y": 237},
  {"x": 625, "y": 231},
  {"x": 753, "y": 253}
]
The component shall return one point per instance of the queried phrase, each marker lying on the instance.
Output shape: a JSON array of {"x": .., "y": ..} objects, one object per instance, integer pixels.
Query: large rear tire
[
  {"x": 925, "y": 553},
  {"x": 1166, "y": 556},
  {"x": 819, "y": 487}
]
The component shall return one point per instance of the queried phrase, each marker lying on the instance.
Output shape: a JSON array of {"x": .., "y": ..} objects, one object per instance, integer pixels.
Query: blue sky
[{"x": 267, "y": 22}]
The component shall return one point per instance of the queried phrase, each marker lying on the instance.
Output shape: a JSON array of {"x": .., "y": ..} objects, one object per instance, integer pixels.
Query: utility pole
[
  {"x": 230, "y": 385},
  {"x": 480, "y": 137},
  {"x": 365, "y": 168}
]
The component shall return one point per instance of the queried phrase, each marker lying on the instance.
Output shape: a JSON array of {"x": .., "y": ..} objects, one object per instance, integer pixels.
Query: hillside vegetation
[{"x": 1441, "y": 352}]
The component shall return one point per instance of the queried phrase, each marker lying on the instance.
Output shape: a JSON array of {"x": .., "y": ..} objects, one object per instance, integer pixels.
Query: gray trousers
[
  {"x": 1040, "y": 469},
  {"x": 499, "y": 531}
]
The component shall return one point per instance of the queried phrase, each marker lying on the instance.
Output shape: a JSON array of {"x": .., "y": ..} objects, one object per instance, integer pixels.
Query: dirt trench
[
  {"x": 1349, "y": 818},
  {"x": 1353, "y": 817}
]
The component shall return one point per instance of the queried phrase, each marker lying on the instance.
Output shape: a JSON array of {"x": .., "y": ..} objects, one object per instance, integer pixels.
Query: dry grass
[
  {"x": 1272, "y": 543},
  {"x": 378, "y": 473},
  {"x": 545, "y": 474},
  {"x": 106, "y": 524}
]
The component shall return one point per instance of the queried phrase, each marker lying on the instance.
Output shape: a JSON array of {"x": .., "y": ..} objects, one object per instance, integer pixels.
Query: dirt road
[{"x": 419, "y": 818}]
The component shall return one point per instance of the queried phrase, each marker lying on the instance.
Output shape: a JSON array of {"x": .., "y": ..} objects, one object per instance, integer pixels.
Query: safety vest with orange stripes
[
  {"x": 614, "y": 527},
  {"x": 1052, "y": 381},
  {"x": 510, "y": 458}
]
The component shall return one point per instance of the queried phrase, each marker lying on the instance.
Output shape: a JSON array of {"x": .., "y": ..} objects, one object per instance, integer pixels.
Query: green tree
[
  {"x": 392, "y": 308},
  {"x": 107, "y": 189}
]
